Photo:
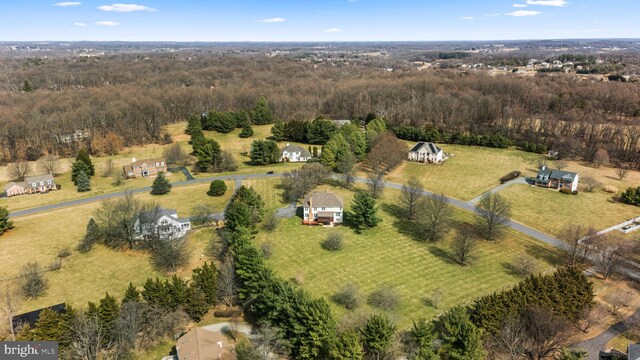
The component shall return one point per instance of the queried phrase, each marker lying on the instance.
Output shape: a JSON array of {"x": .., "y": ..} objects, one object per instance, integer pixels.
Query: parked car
[
  {"x": 270, "y": 172},
  {"x": 626, "y": 227},
  {"x": 510, "y": 176}
]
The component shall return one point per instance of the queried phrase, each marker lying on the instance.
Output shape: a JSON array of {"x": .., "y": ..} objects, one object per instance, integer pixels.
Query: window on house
[
  {"x": 323, "y": 209},
  {"x": 49, "y": 182},
  {"x": 315, "y": 209},
  {"x": 41, "y": 182},
  {"x": 34, "y": 184}
]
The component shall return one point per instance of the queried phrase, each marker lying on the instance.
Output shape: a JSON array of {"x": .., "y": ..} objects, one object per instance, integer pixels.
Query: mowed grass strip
[
  {"x": 470, "y": 172},
  {"x": 269, "y": 190},
  {"x": 184, "y": 198},
  {"x": 387, "y": 256}
]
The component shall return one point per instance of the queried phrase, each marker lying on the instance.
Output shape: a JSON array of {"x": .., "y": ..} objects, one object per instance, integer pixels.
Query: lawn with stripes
[{"x": 388, "y": 256}]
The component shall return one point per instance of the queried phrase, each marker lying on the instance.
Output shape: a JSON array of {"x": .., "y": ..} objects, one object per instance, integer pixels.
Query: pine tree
[
  {"x": 377, "y": 335},
  {"x": 421, "y": 341},
  {"x": 205, "y": 279},
  {"x": 261, "y": 113},
  {"x": 196, "y": 305},
  {"x": 160, "y": 185},
  {"x": 178, "y": 292},
  {"x": 238, "y": 214},
  {"x": 217, "y": 188},
  {"x": 27, "y": 86},
  {"x": 49, "y": 326},
  {"x": 247, "y": 130},
  {"x": 461, "y": 339},
  {"x": 194, "y": 128},
  {"x": 83, "y": 156},
  {"x": 5, "y": 223},
  {"x": 132, "y": 294},
  {"x": 91, "y": 236},
  {"x": 278, "y": 131},
  {"x": 83, "y": 183},
  {"x": 108, "y": 311},
  {"x": 92, "y": 309},
  {"x": 364, "y": 211},
  {"x": 346, "y": 346},
  {"x": 77, "y": 168}
]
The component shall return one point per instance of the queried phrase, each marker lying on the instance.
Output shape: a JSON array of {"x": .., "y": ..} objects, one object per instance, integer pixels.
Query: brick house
[
  {"x": 31, "y": 185},
  {"x": 144, "y": 168},
  {"x": 557, "y": 179}
]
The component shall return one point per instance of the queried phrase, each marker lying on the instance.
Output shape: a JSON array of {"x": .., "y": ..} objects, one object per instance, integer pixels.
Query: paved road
[
  {"x": 626, "y": 269},
  {"x": 185, "y": 171},
  {"x": 91, "y": 199},
  {"x": 226, "y": 326},
  {"x": 594, "y": 345}
]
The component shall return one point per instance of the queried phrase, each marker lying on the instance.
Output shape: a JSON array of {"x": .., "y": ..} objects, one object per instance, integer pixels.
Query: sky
[{"x": 316, "y": 20}]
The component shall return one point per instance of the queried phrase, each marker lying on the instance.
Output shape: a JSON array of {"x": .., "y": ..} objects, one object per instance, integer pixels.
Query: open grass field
[
  {"x": 388, "y": 256},
  {"x": 83, "y": 277},
  {"x": 549, "y": 211},
  {"x": 471, "y": 171},
  {"x": 269, "y": 191},
  {"x": 184, "y": 198}
]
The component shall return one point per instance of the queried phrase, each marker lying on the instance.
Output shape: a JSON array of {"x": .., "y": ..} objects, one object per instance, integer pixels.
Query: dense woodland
[{"x": 133, "y": 95}]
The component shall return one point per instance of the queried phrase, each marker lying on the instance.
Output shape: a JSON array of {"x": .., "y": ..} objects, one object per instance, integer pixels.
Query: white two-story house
[
  {"x": 322, "y": 208},
  {"x": 162, "y": 224},
  {"x": 294, "y": 153},
  {"x": 426, "y": 152}
]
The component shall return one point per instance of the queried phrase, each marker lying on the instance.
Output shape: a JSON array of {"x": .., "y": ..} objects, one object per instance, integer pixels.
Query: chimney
[
  {"x": 133, "y": 160},
  {"x": 543, "y": 167}
]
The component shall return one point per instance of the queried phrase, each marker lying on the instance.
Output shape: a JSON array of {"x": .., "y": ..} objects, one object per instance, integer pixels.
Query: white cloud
[
  {"x": 520, "y": 5},
  {"x": 79, "y": 24},
  {"x": 107, "y": 23},
  {"x": 125, "y": 8},
  {"x": 493, "y": 14},
  {"x": 273, "y": 20},
  {"x": 521, "y": 13},
  {"x": 468, "y": 18},
  {"x": 332, "y": 30},
  {"x": 560, "y": 3},
  {"x": 68, "y": 3}
]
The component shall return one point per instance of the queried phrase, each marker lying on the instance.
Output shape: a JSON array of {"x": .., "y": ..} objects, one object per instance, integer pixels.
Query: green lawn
[
  {"x": 549, "y": 210},
  {"x": 471, "y": 171},
  {"x": 184, "y": 198},
  {"x": 269, "y": 191},
  {"x": 389, "y": 257},
  {"x": 83, "y": 277}
]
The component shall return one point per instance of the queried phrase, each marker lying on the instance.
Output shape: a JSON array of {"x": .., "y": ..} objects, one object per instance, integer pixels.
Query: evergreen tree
[
  {"x": 238, "y": 214},
  {"x": 356, "y": 139},
  {"x": 319, "y": 131},
  {"x": 278, "y": 131},
  {"x": 461, "y": 339},
  {"x": 421, "y": 341},
  {"x": 5, "y": 223},
  {"x": 108, "y": 312},
  {"x": 264, "y": 152},
  {"x": 194, "y": 128},
  {"x": 91, "y": 236},
  {"x": 346, "y": 346},
  {"x": 249, "y": 196},
  {"x": 160, "y": 185},
  {"x": 83, "y": 183},
  {"x": 83, "y": 156},
  {"x": 377, "y": 335},
  {"x": 49, "y": 326},
  {"x": 92, "y": 309},
  {"x": 27, "y": 86},
  {"x": 220, "y": 121},
  {"x": 247, "y": 130},
  {"x": 132, "y": 294},
  {"x": 217, "y": 188},
  {"x": 261, "y": 113},
  {"x": 153, "y": 292},
  {"x": 336, "y": 149},
  {"x": 205, "y": 279},
  {"x": 208, "y": 154},
  {"x": 77, "y": 168},
  {"x": 196, "y": 305},
  {"x": 364, "y": 211}
]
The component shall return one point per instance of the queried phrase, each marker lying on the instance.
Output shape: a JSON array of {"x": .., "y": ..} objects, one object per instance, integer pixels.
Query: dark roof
[
  {"x": 323, "y": 199},
  {"x": 634, "y": 352},
  {"x": 431, "y": 147},
  {"x": 32, "y": 316},
  {"x": 545, "y": 174},
  {"x": 30, "y": 180}
]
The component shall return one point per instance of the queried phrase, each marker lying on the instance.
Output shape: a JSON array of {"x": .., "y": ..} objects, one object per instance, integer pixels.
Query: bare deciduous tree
[
  {"x": 227, "y": 283},
  {"x": 175, "y": 155},
  {"x": 559, "y": 164},
  {"x": 200, "y": 214},
  {"x": 376, "y": 183},
  {"x": 436, "y": 298},
  {"x": 609, "y": 251},
  {"x": 32, "y": 281},
  {"x": 545, "y": 333},
  {"x": 494, "y": 211},
  {"x": 601, "y": 157},
  {"x": 463, "y": 245},
  {"x": 88, "y": 337},
  {"x": 618, "y": 300},
  {"x": 10, "y": 301},
  {"x": 435, "y": 216},
  {"x": 411, "y": 196},
  {"x": 49, "y": 164},
  {"x": 622, "y": 172},
  {"x": 108, "y": 168},
  {"x": 571, "y": 236},
  {"x": 509, "y": 340},
  {"x": 19, "y": 170},
  {"x": 270, "y": 341},
  {"x": 590, "y": 183},
  {"x": 591, "y": 317}
]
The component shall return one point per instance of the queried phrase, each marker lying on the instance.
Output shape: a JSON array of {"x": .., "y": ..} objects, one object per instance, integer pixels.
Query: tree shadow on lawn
[
  {"x": 552, "y": 257},
  {"x": 441, "y": 254}
]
